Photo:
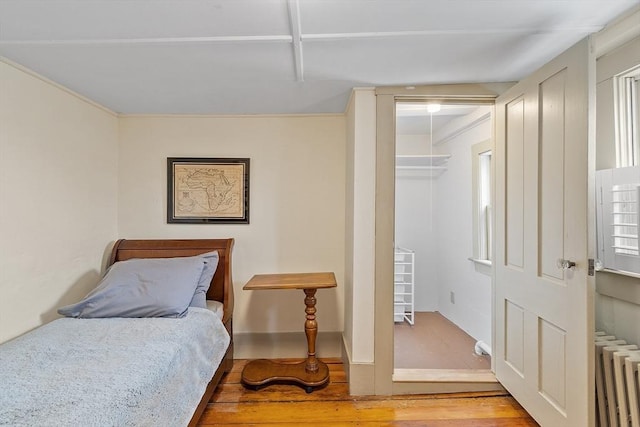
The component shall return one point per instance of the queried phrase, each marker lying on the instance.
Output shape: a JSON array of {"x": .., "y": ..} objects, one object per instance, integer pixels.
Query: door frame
[{"x": 386, "y": 98}]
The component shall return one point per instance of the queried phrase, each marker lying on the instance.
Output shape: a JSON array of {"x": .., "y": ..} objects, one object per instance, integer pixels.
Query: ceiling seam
[
  {"x": 159, "y": 40},
  {"x": 462, "y": 32},
  {"x": 297, "y": 37},
  {"x": 296, "y": 34}
]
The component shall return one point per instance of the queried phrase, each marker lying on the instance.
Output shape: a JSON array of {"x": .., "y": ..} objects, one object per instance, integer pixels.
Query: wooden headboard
[{"x": 221, "y": 288}]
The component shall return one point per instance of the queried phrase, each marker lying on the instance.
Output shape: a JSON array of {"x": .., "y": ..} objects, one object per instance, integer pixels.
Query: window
[
  {"x": 482, "y": 213},
  {"x": 627, "y": 95},
  {"x": 484, "y": 205}
]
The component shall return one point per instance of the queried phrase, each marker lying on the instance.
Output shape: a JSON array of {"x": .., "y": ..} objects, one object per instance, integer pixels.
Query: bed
[{"x": 125, "y": 370}]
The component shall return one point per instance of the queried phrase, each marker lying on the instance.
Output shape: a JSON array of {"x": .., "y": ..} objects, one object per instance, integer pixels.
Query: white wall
[
  {"x": 618, "y": 317},
  {"x": 415, "y": 230},
  {"x": 358, "y": 335},
  {"x": 297, "y": 205},
  {"x": 472, "y": 308},
  {"x": 75, "y": 177},
  {"x": 360, "y": 217},
  {"x": 349, "y": 224},
  {"x": 414, "y": 223},
  {"x": 58, "y": 197}
]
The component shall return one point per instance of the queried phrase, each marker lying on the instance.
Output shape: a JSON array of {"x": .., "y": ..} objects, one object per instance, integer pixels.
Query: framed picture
[{"x": 207, "y": 190}]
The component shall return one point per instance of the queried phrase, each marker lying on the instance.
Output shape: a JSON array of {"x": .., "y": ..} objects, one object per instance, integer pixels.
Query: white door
[{"x": 544, "y": 316}]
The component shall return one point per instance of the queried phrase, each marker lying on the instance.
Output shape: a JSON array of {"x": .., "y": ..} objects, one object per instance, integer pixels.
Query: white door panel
[
  {"x": 514, "y": 337},
  {"x": 515, "y": 183},
  {"x": 551, "y": 173},
  {"x": 543, "y": 315}
]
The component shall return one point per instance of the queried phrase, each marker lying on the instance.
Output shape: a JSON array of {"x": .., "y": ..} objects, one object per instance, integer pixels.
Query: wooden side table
[{"x": 311, "y": 373}]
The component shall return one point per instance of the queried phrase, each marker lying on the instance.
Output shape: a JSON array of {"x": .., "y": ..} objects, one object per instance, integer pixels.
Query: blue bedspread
[{"x": 110, "y": 372}]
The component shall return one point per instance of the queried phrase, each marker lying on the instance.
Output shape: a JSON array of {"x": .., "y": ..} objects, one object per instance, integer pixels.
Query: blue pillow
[
  {"x": 210, "y": 264},
  {"x": 150, "y": 287}
]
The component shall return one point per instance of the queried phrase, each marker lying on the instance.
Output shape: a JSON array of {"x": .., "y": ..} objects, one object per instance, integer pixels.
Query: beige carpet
[{"x": 434, "y": 342}]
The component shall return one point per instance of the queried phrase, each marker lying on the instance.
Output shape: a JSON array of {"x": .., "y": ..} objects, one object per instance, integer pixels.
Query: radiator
[{"x": 617, "y": 382}]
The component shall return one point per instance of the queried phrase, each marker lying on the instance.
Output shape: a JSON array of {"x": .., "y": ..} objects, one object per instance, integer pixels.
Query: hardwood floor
[
  {"x": 282, "y": 405},
  {"x": 434, "y": 342}
]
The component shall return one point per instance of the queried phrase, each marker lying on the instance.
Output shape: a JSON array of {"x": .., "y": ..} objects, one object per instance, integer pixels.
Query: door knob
[{"x": 565, "y": 264}]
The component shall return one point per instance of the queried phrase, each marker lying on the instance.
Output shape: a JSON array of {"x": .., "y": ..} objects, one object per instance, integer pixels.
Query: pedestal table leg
[{"x": 311, "y": 330}]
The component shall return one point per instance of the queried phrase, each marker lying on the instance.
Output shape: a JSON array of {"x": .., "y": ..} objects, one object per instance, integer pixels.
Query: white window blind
[
  {"x": 624, "y": 218},
  {"x": 618, "y": 218}
]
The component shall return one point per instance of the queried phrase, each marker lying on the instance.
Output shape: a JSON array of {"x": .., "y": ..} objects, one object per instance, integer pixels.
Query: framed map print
[{"x": 207, "y": 190}]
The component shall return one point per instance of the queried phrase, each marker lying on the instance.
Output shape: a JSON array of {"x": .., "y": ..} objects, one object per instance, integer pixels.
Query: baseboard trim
[
  {"x": 249, "y": 345},
  {"x": 359, "y": 375}
]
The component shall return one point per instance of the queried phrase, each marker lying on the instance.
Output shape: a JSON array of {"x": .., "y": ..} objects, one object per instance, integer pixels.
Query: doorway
[
  {"x": 389, "y": 380},
  {"x": 442, "y": 244},
  {"x": 542, "y": 318}
]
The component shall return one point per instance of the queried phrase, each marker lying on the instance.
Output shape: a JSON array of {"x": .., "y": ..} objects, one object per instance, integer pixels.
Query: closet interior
[{"x": 442, "y": 266}]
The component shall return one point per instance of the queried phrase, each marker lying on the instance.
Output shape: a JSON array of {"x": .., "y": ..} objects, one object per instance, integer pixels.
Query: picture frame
[{"x": 207, "y": 190}]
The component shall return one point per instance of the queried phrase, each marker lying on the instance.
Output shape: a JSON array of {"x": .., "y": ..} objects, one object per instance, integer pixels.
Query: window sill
[
  {"x": 481, "y": 261},
  {"x": 483, "y": 266},
  {"x": 621, "y": 272}
]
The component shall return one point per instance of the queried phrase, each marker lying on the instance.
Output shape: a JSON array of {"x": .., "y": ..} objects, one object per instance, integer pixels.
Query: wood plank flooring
[
  {"x": 285, "y": 405},
  {"x": 434, "y": 342}
]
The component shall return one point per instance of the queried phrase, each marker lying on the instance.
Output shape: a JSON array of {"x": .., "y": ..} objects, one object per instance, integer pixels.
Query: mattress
[{"x": 110, "y": 372}]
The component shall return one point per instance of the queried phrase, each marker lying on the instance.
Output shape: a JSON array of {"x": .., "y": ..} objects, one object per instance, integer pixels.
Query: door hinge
[{"x": 592, "y": 267}]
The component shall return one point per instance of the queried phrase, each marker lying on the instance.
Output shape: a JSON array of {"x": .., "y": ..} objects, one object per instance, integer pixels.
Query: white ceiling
[
  {"x": 415, "y": 119},
  {"x": 284, "y": 56}
]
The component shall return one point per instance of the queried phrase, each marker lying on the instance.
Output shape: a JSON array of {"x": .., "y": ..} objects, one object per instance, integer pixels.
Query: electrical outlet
[{"x": 452, "y": 297}]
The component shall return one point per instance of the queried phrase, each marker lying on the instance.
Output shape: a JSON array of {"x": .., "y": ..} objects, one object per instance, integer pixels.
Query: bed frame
[{"x": 221, "y": 288}]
